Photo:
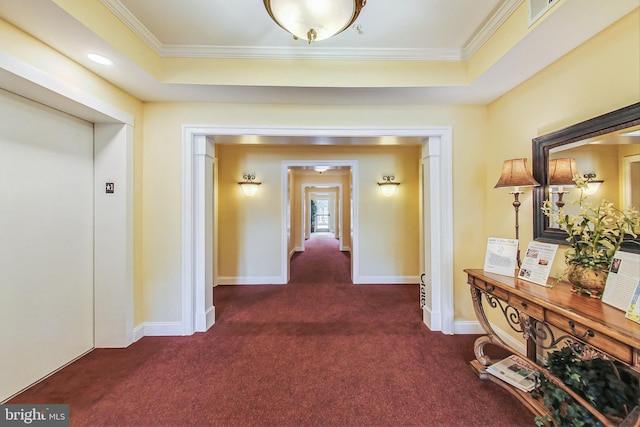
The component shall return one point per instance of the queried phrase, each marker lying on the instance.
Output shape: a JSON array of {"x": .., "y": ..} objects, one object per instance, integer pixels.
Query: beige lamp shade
[
  {"x": 516, "y": 173},
  {"x": 562, "y": 171}
]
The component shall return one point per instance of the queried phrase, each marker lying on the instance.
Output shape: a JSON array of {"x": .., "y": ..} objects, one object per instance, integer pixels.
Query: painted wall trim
[
  {"x": 467, "y": 327},
  {"x": 442, "y": 319},
  {"x": 197, "y": 229},
  {"x": 250, "y": 280},
  {"x": 389, "y": 280},
  {"x": 303, "y": 201},
  {"x": 437, "y": 156},
  {"x": 28, "y": 81},
  {"x": 161, "y": 329},
  {"x": 353, "y": 164},
  {"x": 113, "y": 235}
]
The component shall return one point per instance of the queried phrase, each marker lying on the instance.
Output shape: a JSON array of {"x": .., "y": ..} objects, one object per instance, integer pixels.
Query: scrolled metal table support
[
  {"x": 491, "y": 337},
  {"x": 535, "y": 332}
]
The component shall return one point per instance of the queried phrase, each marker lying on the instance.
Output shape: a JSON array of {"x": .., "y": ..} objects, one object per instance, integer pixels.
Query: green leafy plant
[
  {"x": 314, "y": 210},
  {"x": 597, "y": 232},
  {"x": 608, "y": 386}
]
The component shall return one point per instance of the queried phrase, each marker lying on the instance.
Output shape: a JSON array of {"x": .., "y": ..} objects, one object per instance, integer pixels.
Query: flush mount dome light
[{"x": 314, "y": 20}]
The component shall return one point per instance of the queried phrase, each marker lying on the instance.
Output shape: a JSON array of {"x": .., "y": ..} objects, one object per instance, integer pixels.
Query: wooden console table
[{"x": 546, "y": 317}]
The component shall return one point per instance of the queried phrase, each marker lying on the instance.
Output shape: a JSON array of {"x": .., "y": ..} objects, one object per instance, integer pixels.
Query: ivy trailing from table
[{"x": 608, "y": 386}]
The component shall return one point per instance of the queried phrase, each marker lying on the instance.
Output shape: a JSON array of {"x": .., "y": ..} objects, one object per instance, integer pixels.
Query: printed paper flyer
[
  {"x": 537, "y": 261},
  {"x": 501, "y": 256}
]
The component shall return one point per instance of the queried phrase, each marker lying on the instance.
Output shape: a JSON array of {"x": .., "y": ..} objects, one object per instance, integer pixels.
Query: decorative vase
[{"x": 587, "y": 281}]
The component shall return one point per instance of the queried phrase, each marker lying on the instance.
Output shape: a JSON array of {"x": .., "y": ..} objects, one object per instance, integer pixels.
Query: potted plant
[
  {"x": 608, "y": 386},
  {"x": 595, "y": 234}
]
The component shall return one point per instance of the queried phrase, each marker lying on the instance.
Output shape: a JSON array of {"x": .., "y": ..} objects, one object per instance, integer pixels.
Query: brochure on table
[
  {"x": 537, "y": 261},
  {"x": 501, "y": 256},
  {"x": 633, "y": 312},
  {"x": 622, "y": 280}
]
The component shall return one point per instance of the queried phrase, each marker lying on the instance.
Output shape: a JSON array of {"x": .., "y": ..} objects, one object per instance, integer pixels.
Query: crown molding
[
  {"x": 134, "y": 24},
  {"x": 490, "y": 27},
  {"x": 304, "y": 52},
  {"x": 318, "y": 52}
]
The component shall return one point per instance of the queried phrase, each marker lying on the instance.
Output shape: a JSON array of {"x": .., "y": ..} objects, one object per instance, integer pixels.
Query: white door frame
[
  {"x": 331, "y": 187},
  {"x": 353, "y": 166},
  {"x": 437, "y": 253}
]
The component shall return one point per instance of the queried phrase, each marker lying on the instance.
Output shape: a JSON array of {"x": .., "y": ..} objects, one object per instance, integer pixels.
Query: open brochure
[
  {"x": 537, "y": 261},
  {"x": 513, "y": 370}
]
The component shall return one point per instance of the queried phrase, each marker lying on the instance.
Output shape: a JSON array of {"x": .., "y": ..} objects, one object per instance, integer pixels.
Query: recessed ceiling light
[{"x": 100, "y": 59}]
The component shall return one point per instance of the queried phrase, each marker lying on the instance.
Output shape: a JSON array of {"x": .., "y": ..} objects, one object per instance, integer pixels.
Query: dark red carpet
[{"x": 316, "y": 352}]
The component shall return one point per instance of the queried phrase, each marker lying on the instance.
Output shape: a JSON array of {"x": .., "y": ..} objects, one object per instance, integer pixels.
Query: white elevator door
[{"x": 46, "y": 241}]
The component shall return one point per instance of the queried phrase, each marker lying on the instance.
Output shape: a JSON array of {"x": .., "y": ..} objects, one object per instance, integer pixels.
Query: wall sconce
[
  {"x": 387, "y": 186},
  {"x": 249, "y": 186},
  {"x": 592, "y": 184},
  {"x": 516, "y": 174},
  {"x": 561, "y": 174}
]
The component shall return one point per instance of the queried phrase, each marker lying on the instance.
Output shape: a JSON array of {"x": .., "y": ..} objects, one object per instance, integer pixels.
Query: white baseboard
[
  {"x": 389, "y": 280},
  {"x": 511, "y": 341},
  {"x": 205, "y": 322},
  {"x": 467, "y": 327},
  {"x": 431, "y": 319},
  {"x": 158, "y": 329},
  {"x": 239, "y": 280},
  {"x": 138, "y": 332}
]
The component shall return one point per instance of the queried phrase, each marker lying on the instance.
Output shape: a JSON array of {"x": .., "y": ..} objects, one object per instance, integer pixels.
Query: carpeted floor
[{"x": 319, "y": 351}]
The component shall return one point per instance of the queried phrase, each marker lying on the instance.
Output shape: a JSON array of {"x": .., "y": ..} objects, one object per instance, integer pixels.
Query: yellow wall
[
  {"x": 162, "y": 172},
  {"x": 597, "y": 77},
  {"x": 250, "y": 229}
]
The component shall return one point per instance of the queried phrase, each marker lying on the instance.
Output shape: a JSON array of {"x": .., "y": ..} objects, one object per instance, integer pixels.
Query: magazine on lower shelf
[{"x": 515, "y": 371}]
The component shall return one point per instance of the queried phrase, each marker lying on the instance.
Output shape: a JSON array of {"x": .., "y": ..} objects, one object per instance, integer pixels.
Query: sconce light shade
[
  {"x": 562, "y": 172},
  {"x": 249, "y": 186},
  {"x": 592, "y": 184},
  {"x": 516, "y": 173},
  {"x": 313, "y": 20},
  {"x": 387, "y": 186}
]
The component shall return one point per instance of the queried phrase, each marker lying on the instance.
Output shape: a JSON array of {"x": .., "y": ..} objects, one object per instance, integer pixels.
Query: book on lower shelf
[{"x": 515, "y": 371}]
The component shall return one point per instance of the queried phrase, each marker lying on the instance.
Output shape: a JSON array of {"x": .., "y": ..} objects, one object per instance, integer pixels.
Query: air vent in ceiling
[{"x": 537, "y": 8}]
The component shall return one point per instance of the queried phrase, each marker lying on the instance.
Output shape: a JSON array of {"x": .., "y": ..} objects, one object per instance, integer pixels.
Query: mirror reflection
[
  {"x": 610, "y": 164},
  {"x": 605, "y": 151}
]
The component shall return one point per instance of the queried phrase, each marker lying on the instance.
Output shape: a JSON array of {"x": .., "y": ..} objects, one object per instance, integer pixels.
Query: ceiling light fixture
[
  {"x": 314, "y": 20},
  {"x": 321, "y": 169},
  {"x": 99, "y": 59}
]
